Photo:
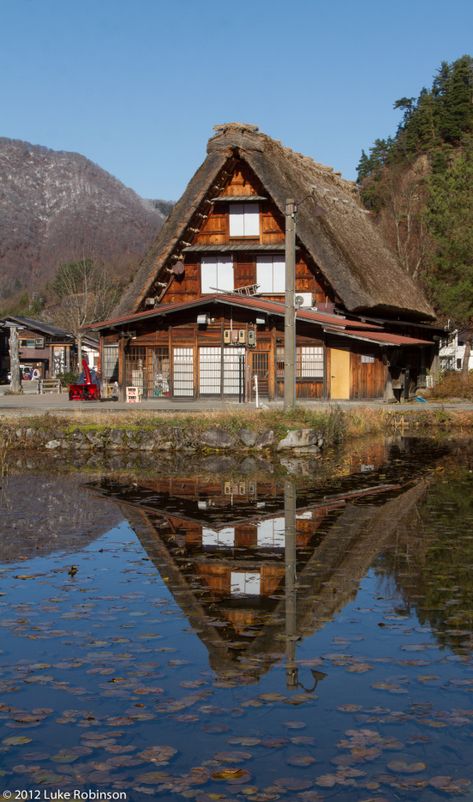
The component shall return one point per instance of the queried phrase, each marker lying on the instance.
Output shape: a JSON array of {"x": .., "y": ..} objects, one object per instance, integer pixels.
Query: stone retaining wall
[{"x": 163, "y": 439}]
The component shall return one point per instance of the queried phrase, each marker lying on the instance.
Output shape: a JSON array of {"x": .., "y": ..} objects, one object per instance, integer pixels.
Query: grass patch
[{"x": 336, "y": 425}]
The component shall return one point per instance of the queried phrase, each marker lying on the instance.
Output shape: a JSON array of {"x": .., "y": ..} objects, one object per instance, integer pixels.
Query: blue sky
[{"x": 136, "y": 85}]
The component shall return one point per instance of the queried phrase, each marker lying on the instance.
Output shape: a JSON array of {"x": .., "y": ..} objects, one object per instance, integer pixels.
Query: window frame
[
  {"x": 218, "y": 261},
  {"x": 269, "y": 259},
  {"x": 238, "y": 210},
  {"x": 317, "y": 359}
]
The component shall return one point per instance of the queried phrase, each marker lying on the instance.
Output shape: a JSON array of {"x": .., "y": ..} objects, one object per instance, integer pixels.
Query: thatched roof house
[
  {"x": 332, "y": 225},
  {"x": 205, "y": 312}
]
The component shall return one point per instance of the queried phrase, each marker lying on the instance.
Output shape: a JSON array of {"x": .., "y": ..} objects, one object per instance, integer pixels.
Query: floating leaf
[
  {"x": 152, "y": 777},
  {"x": 233, "y": 757},
  {"x": 301, "y": 760},
  {"x": 449, "y": 785},
  {"x": 243, "y": 741},
  {"x": 327, "y": 780},
  {"x": 17, "y": 740},
  {"x": 293, "y": 783},
  {"x": 359, "y": 668},
  {"x": 232, "y": 775},
  {"x": 158, "y": 754}
]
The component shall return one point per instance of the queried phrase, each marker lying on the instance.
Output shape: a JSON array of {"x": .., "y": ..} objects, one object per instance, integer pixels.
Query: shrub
[
  {"x": 454, "y": 385},
  {"x": 67, "y": 378}
]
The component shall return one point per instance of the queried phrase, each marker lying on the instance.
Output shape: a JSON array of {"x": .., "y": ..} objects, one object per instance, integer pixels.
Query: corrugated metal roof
[
  {"x": 238, "y": 198},
  {"x": 231, "y": 247},
  {"x": 379, "y": 337},
  {"x": 252, "y": 302},
  {"x": 40, "y": 326}
]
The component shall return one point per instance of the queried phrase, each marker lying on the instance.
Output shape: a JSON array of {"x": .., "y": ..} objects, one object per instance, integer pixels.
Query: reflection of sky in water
[{"x": 111, "y": 656}]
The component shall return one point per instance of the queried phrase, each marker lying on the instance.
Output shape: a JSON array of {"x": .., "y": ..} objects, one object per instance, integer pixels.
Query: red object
[{"x": 88, "y": 391}]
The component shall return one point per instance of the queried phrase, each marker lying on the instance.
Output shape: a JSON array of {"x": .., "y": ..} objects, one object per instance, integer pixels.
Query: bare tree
[
  {"x": 402, "y": 218},
  {"x": 84, "y": 293}
]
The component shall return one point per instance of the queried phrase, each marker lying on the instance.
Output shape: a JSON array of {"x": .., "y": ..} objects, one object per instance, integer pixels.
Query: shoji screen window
[
  {"x": 216, "y": 273},
  {"x": 244, "y": 219},
  {"x": 271, "y": 274}
]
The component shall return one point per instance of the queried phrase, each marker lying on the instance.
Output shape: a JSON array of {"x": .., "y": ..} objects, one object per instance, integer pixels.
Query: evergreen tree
[
  {"x": 449, "y": 216},
  {"x": 457, "y": 107}
]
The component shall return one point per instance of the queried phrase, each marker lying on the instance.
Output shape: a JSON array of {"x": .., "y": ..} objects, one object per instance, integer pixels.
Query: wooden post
[
  {"x": 15, "y": 383},
  {"x": 289, "y": 316},
  {"x": 121, "y": 368},
  {"x": 79, "y": 351},
  {"x": 325, "y": 369}
]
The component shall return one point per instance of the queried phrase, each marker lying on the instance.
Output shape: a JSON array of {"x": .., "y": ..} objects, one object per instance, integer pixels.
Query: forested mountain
[
  {"x": 58, "y": 207},
  {"x": 419, "y": 184}
]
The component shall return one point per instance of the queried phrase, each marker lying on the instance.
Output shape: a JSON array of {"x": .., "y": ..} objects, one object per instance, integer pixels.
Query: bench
[{"x": 49, "y": 386}]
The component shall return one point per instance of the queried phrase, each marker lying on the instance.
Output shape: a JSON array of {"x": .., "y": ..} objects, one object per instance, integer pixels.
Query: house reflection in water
[{"x": 255, "y": 568}]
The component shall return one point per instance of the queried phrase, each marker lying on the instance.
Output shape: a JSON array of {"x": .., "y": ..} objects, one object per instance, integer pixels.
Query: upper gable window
[
  {"x": 271, "y": 274},
  {"x": 216, "y": 273},
  {"x": 244, "y": 219}
]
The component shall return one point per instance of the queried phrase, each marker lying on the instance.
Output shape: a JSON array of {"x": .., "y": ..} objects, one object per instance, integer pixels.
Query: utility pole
[{"x": 290, "y": 312}]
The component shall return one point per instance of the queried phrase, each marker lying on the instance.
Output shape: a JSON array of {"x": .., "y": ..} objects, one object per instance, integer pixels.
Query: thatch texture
[{"x": 332, "y": 225}]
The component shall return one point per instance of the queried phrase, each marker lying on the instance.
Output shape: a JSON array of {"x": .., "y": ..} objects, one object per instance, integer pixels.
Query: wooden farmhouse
[
  {"x": 42, "y": 348},
  {"x": 204, "y": 314}
]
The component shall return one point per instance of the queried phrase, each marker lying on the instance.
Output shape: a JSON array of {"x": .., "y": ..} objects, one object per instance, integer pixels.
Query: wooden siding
[
  {"x": 188, "y": 287},
  {"x": 367, "y": 378},
  {"x": 215, "y": 230},
  {"x": 242, "y": 182}
]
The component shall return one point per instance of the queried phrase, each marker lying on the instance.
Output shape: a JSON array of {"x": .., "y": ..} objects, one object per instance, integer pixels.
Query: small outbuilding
[{"x": 44, "y": 349}]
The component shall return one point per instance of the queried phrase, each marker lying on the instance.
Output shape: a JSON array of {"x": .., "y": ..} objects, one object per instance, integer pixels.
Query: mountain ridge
[{"x": 59, "y": 206}]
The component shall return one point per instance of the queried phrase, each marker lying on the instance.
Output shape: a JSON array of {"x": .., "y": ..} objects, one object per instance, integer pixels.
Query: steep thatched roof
[{"x": 331, "y": 225}]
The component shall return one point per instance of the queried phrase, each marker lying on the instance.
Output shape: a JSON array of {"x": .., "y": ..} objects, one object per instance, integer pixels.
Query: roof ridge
[{"x": 250, "y": 131}]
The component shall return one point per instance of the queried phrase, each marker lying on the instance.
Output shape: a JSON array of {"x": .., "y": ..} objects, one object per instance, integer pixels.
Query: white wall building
[{"x": 452, "y": 351}]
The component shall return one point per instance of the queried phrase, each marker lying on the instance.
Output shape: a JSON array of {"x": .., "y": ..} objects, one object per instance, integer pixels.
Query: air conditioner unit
[{"x": 303, "y": 300}]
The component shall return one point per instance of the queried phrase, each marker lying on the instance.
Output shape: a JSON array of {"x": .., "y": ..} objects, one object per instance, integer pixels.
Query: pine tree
[
  {"x": 457, "y": 112},
  {"x": 449, "y": 216}
]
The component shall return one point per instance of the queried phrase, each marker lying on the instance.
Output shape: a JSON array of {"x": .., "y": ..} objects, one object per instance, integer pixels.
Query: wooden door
[
  {"x": 339, "y": 374},
  {"x": 260, "y": 367}
]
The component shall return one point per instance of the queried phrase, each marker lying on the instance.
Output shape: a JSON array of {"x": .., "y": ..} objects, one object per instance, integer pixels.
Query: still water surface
[{"x": 244, "y": 633}]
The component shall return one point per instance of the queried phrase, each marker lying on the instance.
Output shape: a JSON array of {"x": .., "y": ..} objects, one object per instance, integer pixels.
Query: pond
[{"x": 225, "y": 630}]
